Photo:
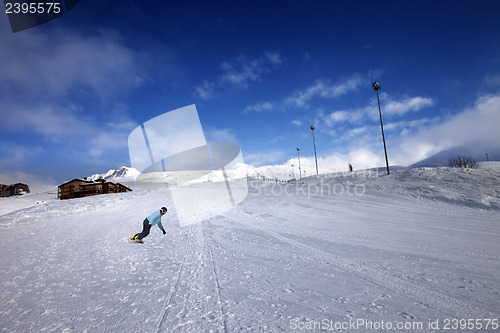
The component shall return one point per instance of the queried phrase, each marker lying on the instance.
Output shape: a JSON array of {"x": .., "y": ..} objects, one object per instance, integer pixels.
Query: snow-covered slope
[{"x": 417, "y": 249}]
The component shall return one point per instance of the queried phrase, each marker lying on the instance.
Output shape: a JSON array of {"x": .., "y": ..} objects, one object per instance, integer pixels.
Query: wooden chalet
[
  {"x": 78, "y": 188},
  {"x": 4, "y": 190},
  {"x": 14, "y": 189}
]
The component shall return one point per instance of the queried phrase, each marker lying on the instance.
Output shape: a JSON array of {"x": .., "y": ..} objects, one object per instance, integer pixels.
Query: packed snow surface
[{"x": 416, "y": 251}]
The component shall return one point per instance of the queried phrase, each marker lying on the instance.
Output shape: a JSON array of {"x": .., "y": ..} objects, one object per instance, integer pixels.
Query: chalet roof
[
  {"x": 76, "y": 179},
  {"x": 89, "y": 182}
]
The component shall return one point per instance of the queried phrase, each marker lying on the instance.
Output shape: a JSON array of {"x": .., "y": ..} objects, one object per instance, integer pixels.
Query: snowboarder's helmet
[{"x": 163, "y": 209}]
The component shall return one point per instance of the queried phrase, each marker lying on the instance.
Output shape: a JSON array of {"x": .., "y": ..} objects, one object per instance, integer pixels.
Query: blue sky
[{"x": 259, "y": 72}]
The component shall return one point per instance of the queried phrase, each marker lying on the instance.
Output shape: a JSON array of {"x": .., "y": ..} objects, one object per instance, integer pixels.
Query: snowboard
[{"x": 135, "y": 241}]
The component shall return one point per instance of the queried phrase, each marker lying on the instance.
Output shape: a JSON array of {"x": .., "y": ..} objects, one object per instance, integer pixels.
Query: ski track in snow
[
  {"x": 418, "y": 246},
  {"x": 195, "y": 295}
]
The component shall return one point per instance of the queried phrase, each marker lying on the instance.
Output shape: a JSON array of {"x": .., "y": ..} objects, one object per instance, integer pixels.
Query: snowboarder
[{"x": 150, "y": 221}]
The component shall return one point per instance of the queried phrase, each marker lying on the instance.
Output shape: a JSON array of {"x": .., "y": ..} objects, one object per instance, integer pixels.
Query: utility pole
[
  {"x": 314, "y": 143},
  {"x": 298, "y": 154},
  {"x": 376, "y": 86}
]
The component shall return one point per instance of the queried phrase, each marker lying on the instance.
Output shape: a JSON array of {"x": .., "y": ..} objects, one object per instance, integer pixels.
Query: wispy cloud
[
  {"x": 54, "y": 63},
  {"x": 353, "y": 116},
  {"x": 274, "y": 58},
  {"x": 110, "y": 137},
  {"x": 206, "y": 90},
  {"x": 45, "y": 74},
  {"x": 391, "y": 107},
  {"x": 405, "y": 105},
  {"x": 323, "y": 89},
  {"x": 13, "y": 155},
  {"x": 264, "y": 157},
  {"x": 36, "y": 183},
  {"x": 50, "y": 120},
  {"x": 300, "y": 99},
  {"x": 261, "y": 107},
  {"x": 477, "y": 126},
  {"x": 239, "y": 73}
]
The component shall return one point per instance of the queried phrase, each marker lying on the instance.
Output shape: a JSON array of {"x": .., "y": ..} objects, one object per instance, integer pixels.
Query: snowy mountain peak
[{"x": 121, "y": 172}]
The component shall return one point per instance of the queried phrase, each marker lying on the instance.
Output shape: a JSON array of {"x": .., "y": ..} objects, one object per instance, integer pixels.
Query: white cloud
[
  {"x": 357, "y": 132},
  {"x": 53, "y": 63},
  {"x": 64, "y": 125},
  {"x": 391, "y": 108},
  {"x": 243, "y": 71},
  {"x": 239, "y": 73},
  {"x": 36, "y": 183},
  {"x": 405, "y": 126},
  {"x": 274, "y": 58},
  {"x": 14, "y": 155},
  {"x": 111, "y": 137},
  {"x": 261, "y": 107},
  {"x": 264, "y": 158},
  {"x": 477, "y": 125},
  {"x": 323, "y": 89},
  {"x": 50, "y": 120},
  {"x": 206, "y": 91},
  {"x": 418, "y": 139},
  {"x": 301, "y": 99},
  {"x": 297, "y": 122},
  {"x": 408, "y": 104},
  {"x": 492, "y": 80},
  {"x": 42, "y": 72},
  {"x": 353, "y": 116}
]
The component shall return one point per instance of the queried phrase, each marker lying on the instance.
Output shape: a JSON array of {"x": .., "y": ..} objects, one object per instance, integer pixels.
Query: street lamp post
[
  {"x": 376, "y": 86},
  {"x": 314, "y": 143},
  {"x": 293, "y": 173},
  {"x": 298, "y": 154}
]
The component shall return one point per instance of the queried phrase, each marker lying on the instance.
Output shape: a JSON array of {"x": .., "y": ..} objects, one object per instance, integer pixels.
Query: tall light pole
[
  {"x": 293, "y": 173},
  {"x": 314, "y": 143},
  {"x": 298, "y": 154},
  {"x": 376, "y": 86}
]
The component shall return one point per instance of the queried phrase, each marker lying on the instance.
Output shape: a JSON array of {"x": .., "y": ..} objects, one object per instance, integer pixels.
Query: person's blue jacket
[{"x": 155, "y": 218}]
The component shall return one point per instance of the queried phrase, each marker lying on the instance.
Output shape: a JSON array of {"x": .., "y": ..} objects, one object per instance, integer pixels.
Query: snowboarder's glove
[{"x": 164, "y": 232}]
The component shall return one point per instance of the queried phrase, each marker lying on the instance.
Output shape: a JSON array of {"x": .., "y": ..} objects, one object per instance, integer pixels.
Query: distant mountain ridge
[
  {"x": 124, "y": 173},
  {"x": 120, "y": 173}
]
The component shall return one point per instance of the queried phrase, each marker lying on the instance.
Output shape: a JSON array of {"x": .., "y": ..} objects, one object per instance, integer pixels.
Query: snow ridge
[{"x": 121, "y": 172}]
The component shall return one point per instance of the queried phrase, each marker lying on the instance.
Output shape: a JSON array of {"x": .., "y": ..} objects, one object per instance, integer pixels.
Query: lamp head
[{"x": 376, "y": 86}]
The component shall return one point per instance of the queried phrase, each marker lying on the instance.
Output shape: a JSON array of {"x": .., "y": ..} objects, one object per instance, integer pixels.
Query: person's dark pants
[{"x": 146, "y": 227}]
